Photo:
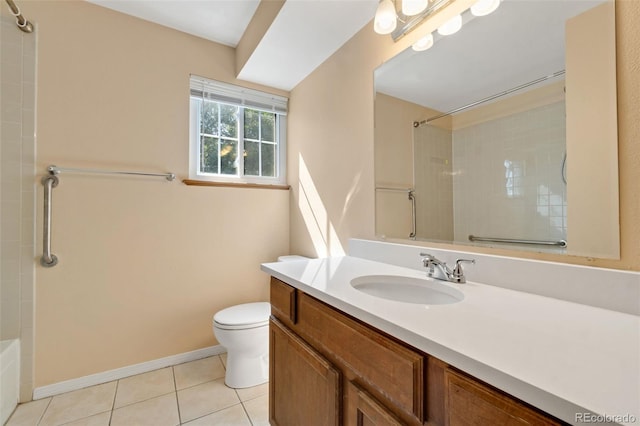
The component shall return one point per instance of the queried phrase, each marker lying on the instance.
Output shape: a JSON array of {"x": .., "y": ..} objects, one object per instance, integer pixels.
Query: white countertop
[{"x": 562, "y": 357}]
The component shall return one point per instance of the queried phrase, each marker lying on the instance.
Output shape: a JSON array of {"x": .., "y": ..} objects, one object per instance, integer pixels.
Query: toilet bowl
[{"x": 244, "y": 332}]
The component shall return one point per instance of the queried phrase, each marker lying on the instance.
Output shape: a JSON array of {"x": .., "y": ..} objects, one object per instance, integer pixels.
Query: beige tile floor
[{"x": 190, "y": 394}]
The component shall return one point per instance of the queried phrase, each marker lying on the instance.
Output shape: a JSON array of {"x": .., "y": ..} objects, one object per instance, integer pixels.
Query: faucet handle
[
  {"x": 427, "y": 259},
  {"x": 458, "y": 273}
]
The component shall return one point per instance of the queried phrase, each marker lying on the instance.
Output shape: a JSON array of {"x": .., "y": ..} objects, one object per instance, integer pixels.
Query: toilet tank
[{"x": 291, "y": 257}]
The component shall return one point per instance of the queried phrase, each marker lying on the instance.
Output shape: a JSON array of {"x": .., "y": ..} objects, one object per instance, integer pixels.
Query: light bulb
[
  {"x": 385, "y": 20},
  {"x": 424, "y": 43},
  {"x": 452, "y": 26},
  {"x": 413, "y": 7},
  {"x": 484, "y": 7}
]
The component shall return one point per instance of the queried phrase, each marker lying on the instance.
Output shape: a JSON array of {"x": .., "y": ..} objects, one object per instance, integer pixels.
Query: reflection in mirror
[{"x": 496, "y": 131}]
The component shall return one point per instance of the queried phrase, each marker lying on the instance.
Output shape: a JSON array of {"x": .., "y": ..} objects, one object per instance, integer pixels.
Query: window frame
[{"x": 195, "y": 139}]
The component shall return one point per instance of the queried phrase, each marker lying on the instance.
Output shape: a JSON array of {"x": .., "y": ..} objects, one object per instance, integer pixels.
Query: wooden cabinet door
[
  {"x": 471, "y": 403},
  {"x": 365, "y": 410},
  {"x": 304, "y": 388},
  {"x": 395, "y": 372}
]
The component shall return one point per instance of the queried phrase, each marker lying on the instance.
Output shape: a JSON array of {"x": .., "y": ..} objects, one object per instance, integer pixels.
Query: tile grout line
[
  {"x": 175, "y": 389},
  {"x": 112, "y": 408},
  {"x": 113, "y": 404},
  {"x": 44, "y": 411},
  {"x": 246, "y": 413}
]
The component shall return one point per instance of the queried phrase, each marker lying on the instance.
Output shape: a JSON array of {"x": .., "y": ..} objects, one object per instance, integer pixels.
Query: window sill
[{"x": 193, "y": 182}]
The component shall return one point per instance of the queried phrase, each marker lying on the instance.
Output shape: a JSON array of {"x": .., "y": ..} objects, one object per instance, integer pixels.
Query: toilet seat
[{"x": 245, "y": 316}]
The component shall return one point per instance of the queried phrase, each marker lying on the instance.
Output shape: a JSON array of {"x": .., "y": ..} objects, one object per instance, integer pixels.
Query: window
[{"x": 236, "y": 134}]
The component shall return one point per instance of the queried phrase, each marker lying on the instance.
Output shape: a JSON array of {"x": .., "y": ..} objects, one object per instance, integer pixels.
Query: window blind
[{"x": 236, "y": 95}]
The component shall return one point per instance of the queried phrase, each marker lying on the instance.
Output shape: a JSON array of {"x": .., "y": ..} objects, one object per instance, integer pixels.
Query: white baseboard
[{"x": 120, "y": 373}]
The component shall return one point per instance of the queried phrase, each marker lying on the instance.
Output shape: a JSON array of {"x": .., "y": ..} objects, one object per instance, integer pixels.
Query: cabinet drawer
[
  {"x": 390, "y": 371},
  {"x": 283, "y": 301},
  {"x": 470, "y": 402}
]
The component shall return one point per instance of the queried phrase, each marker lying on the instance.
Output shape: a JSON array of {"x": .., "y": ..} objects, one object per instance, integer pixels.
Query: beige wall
[
  {"x": 434, "y": 180},
  {"x": 144, "y": 263},
  {"x": 590, "y": 121},
  {"x": 331, "y": 138},
  {"x": 333, "y": 118},
  {"x": 393, "y": 163}
]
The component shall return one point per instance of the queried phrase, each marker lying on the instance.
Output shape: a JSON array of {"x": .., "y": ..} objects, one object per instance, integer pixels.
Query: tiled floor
[{"x": 192, "y": 394}]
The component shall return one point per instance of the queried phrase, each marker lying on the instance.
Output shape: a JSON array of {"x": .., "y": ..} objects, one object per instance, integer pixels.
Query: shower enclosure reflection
[
  {"x": 495, "y": 177},
  {"x": 509, "y": 165},
  {"x": 17, "y": 229}
]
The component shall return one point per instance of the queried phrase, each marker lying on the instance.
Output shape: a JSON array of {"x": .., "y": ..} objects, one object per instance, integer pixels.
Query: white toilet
[{"x": 244, "y": 331}]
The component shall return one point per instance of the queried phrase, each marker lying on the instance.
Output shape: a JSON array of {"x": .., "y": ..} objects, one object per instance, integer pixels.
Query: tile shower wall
[
  {"x": 433, "y": 183},
  {"x": 508, "y": 176},
  {"x": 17, "y": 193}
]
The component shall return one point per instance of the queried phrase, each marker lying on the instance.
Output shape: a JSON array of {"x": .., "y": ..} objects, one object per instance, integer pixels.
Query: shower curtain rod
[
  {"x": 489, "y": 98},
  {"x": 21, "y": 21}
]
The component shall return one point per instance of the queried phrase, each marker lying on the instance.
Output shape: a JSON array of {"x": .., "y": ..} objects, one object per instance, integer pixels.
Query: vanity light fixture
[
  {"x": 385, "y": 21},
  {"x": 484, "y": 7},
  {"x": 413, "y": 7},
  {"x": 424, "y": 43},
  {"x": 414, "y": 12},
  {"x": 452, "y": 26},
  {"x": 387, "y": 18}
]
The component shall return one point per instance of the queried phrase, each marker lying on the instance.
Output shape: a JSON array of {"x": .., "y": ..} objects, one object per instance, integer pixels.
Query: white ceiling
[
  {"x": 302, "y": 36},
  {"x": 520, "y": 42},
  {"x": 222, "y": 21}
]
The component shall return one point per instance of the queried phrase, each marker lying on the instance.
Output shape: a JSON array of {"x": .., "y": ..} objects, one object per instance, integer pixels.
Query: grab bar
[
  {"x": 48, "y": 259},
  {"x": 412, "y": 198},
  {"x": 51, "y": 181},
  {"x": 559, "y": 243}
]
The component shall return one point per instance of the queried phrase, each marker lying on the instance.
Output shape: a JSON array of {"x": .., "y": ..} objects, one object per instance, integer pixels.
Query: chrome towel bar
[
  {"x": 49, "y": 259},
  {"x": 55, "y": 170},
  {"x": 387, "y": 188},
  {"x": 559, "y": 243}
]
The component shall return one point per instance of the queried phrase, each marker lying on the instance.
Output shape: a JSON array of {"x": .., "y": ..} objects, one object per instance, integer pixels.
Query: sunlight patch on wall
[{"x": 321, "y": 231}]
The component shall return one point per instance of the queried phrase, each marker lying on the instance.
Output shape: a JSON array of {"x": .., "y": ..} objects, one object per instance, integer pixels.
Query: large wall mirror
[{"x": 504, "y": 134}]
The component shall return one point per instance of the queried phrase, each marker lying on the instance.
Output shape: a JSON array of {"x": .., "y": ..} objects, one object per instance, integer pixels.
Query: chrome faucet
[{"x": 439, "y": 270}]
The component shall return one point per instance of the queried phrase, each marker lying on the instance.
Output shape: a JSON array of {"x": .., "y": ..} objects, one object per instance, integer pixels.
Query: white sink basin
[{"x": 408, "y": 289}]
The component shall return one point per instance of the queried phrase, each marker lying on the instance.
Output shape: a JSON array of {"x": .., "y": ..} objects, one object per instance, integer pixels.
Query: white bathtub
[{"x": 9, "y": 377}]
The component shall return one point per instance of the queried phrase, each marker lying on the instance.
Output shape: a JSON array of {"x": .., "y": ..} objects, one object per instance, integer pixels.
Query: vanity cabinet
[
  {"x": 327, "y": 368},
  {"x": 364, "y": 410},
  {"x": 308, "y": 386},
  {"x": 469, "y": 402}
]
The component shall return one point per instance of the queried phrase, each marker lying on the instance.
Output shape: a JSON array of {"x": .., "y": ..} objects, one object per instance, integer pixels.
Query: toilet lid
[{"x": 247, "y": 314}]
